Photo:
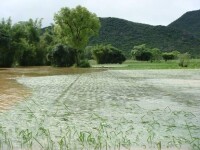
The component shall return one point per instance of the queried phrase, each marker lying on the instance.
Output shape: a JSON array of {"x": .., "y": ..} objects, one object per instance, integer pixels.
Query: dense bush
[
  {"x": 105, "y": 54},
  {"x": 168, "y": 56},
  {"x": 20, "y": 44},
  {"x": 144, "y": 53},
  {"x": 144, "y": 56},
  {"x": 84, "y": 64},
  {"x": 184, "y": 60},
  {"x": 6, "y": 51},
  {"x": 6, "y": 57},
  {"x": 62, "y": 56}
]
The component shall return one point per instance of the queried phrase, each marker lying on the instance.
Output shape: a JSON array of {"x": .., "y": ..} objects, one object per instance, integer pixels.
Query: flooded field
[
  {"x": 12, "y": 92},
  {"x": 113, "y": 109}
]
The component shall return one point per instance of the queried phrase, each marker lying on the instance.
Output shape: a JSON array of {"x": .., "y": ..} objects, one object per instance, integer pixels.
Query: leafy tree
[
  {"x": 168, "y": 56},
  {"x": 6, "y": 51},
  {"x": 62, "y": 56},
  {"x": 75, "y": 26},
  {"x": 27, "y": 42},
  {"x": 156, "y": 54},
  {"x": 176, "y": 54},
  {"x": 108, "y": 54},
  {"x": 28, "y": 55},
  {"x": 141, "y": 52}
]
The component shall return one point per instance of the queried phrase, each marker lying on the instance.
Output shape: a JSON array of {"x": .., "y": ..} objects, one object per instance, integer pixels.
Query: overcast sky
[{"x": 154, "y": 12}]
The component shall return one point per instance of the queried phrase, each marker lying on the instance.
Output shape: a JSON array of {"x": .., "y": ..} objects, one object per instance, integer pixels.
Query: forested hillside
[
  {"x": 124, "y": 35},
  {"x": 190, "y": 22}
]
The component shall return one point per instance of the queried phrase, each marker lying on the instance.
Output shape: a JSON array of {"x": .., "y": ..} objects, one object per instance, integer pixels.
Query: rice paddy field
[{"x": 102, "y": 110}]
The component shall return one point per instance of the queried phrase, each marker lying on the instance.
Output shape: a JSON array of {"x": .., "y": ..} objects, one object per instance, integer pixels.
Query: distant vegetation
[
  {"x": 26, "y": 44},
  {"x": 189, "y": 22},
  {"x": 144, "y": 53},
  {"x": 71, "y": 41},
  {"x": 125, "y": 35},
  {"x": 107, "y": 54}
]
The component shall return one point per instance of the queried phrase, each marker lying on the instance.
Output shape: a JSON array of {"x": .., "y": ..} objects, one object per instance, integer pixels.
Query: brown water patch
[{"x": 12, "y": 92}]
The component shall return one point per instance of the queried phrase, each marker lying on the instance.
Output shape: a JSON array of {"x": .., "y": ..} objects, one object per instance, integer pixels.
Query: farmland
[{"x": 107, "y": 109}]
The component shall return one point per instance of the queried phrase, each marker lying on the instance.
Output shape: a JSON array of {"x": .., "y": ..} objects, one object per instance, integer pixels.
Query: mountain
[
  {"x": 190, "y": 22},
  {"x": 125, "y": 35}
]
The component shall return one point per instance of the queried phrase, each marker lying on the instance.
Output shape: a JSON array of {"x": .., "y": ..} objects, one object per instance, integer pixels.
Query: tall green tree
[
  {"x": 75, "y": 27},
  {"x": 6, "y": 51},
  {"x": 28, "y": 44}
]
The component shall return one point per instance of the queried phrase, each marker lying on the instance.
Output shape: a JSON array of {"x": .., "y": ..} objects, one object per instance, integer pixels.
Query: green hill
[
  {"x": 124, "y": 35},
  {"x": 190, "y": 22}
]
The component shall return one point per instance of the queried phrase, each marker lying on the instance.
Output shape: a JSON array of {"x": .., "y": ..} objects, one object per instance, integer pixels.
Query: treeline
[
  {"x": 23, "y": 43},
  {"x": 27, "y": 44},
  {"x": 144, "y": 53},
  {"x": 124, "y": 35}
]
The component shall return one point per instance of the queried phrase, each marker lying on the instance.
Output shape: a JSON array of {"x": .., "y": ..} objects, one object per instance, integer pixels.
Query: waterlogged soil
[
  {"x": 114, "y": 109},
  {"x": 12, "y": 92}
]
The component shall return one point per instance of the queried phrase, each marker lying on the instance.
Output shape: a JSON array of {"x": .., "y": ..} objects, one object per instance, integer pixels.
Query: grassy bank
[{"x": 132, "y": 64}]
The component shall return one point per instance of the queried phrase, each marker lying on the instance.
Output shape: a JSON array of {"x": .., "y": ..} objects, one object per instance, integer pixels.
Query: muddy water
[{"x": 12, "y": 92}]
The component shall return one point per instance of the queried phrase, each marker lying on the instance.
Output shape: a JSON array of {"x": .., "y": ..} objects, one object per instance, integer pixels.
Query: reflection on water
[{"x": 12, "y": 92}]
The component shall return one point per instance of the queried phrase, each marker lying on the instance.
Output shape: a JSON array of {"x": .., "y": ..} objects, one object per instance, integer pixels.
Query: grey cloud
[{"x": 155, "y": 12}]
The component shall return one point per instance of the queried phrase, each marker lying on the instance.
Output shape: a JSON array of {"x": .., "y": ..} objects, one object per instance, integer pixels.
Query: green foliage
[
  {"x": 168, "y": 56},
  {"x": 105, "y": 54},
  {"x": 144, "y": 53},
  {"x": 124, "y": 35},
  {"x": 84, "y": 64},
  {"x": 21, "y": 44},
  {"x": 88, "y": 52},
  {"x": 47, "y": 43},
  {"x": 189, "y": 22},
  {"x": 184, "y": 60},
  {"x": 62, "y": 56},
  {"x": 141, "y": 52},
  {"x": 156, "y": 54},
  {"x": 28, "y": 53},
  {"x": 176, "y": 53},
  {"x": 6, "y": 51},
  {"x": 75, "y": 27}
]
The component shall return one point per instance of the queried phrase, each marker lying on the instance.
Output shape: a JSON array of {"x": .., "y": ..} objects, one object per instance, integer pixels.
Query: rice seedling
[{"x": 99, "y": 111}]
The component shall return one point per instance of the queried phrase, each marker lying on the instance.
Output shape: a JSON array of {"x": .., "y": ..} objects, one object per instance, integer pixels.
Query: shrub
[
  {"x": 156, "y": 54},
  {"x": 105, "y": 54},
  {"x": 144, "y": 56},
  {"x": 184, "y": 60},
  {"x": 62, "y": 56},
  {"x": 144, "y": 53},
  {"x": 168, "y": 56},
  {"x": 84, "y": 64}
]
